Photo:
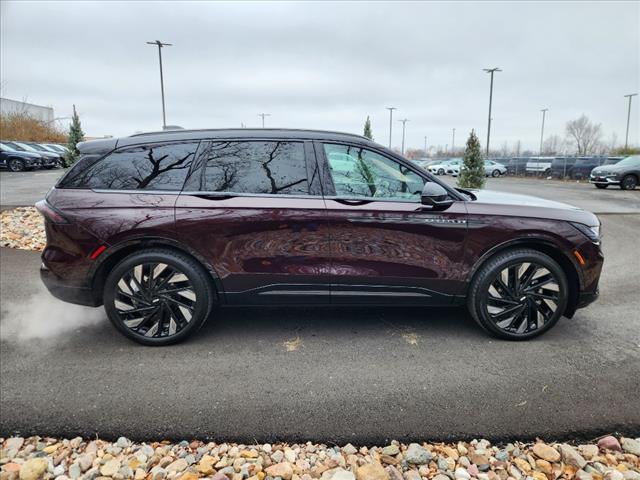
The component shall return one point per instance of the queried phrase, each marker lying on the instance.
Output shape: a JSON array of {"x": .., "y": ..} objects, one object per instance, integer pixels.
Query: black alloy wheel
[
  {"x": 441, "y": 171},
  {"x": 158, "y": 297},
  {"x": 629, "y": 182},
  {"x": 519, "y": 294},
  {"x": 16, "y": 165}
]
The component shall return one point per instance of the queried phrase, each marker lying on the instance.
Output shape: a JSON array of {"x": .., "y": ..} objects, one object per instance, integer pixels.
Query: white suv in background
[
  {"x": 441, "y": 168},
  {"x": 491, "y": 168}
]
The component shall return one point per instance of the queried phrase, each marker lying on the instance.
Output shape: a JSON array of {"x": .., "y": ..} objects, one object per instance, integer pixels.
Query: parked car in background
[
  {"x": 48, "y": 159},
  {"x": 425, "y": 163},
  {"x": 58, "y": 148},
  {"x": 440, "y": 168},
  {"x": 491, "y": 168},
  {"x": 516, "y": 165},
  {"x": 625, "y": 173},
  {"x": 48, "y": 151},
  {"x": 281, "y": 217},
  {"x": 18, "y": 160},
  {"x": 562, "y": 167},
  {"x": 539, "y": 166}
]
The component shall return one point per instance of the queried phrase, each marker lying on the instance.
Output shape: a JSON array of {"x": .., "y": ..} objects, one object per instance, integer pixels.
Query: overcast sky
[{"x": 328, "y": 65}]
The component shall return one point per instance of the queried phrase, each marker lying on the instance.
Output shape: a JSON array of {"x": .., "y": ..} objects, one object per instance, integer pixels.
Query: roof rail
[{"x": 195, "y": 130}]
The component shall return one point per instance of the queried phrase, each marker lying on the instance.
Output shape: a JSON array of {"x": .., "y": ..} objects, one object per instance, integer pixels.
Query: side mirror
[{"x": 435, "y": 196}]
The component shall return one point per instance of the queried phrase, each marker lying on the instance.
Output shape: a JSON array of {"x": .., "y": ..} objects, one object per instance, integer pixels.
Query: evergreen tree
[
  {"x": 472, "y": 174},
  {"x": 367, "y": 129},
  {"x": 76, "y": 135}
]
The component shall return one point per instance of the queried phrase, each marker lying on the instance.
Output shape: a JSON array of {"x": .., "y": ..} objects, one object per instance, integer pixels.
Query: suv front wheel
[
  {"x": 518, "y": 294},
  {"x": 158, "y": 296}
]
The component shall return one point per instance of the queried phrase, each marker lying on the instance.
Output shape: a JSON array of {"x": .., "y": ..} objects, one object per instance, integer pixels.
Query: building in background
[{"x": 8, "y": 106}]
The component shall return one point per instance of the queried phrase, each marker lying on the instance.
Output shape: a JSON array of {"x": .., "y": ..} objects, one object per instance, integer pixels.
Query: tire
[
  {"x": 16, "y": 165},
  {"x": 511, "y": 311},
  {"x": 601, "y": 185},
  {"x": 495, "y": 173},
  {"x": 440, "y": 171},
  {"x": 162, "y": 314},
  {"x": 629, "y": 182}
]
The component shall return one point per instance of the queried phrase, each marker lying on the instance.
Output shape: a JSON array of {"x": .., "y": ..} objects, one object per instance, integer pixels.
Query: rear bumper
[
  {"x": 66, "y": 292},
  {"x": 585, "y": 299}
]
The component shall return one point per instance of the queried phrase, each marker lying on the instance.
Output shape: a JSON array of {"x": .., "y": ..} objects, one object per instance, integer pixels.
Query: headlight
[{"x": 591, "y": 232}]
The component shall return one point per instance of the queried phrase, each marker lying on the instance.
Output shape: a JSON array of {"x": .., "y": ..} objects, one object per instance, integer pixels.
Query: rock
[
  {"x": 412, "y": 475},
  {"x": 588, "y": 451},
  {"x": 631, "y": 475},
  {"x": 613, "y": 475},
  {"x": 440, "y": 476},
  {"x": 158, "y": 473},
  {"x": 349, "y": 449},
  {"x": 266, "y": 448},
  {"x": 522, "y": 465},
  {"x": 630, "y": 445},
  {"x": 11, "y": 467},
  {"x": 110, "y": 468},
  {"x": 478, "y": 459},
  {"x": 147, "y": 451},
  {"x": 219, "y": 476},
  {"x": 277, "y": 456},
  {"x": 462, "y": 474},
  {"x": 391, "y": 450},
  {"x": 394, "y": 474},
  {"x": 140, "y": 474},
  {"x": 473, "y": 470},
  {"x": 75, "y": 471},
  {"x": 33, "y": 468},
  {"x": 342, "y": 474},
  {"x": 290, "y": 455},
  {"x": 389, "y": 460},
  {"x": 571, "y": 457},
  {"x": 582, "y": 475},
  {"x": 502, "y": 456},
  {"x": 13, "y": 443},
  {"x": 609, "y": 443},
  {"x": 177, "y": 466},
  {"x": 282, "y": 470},
  {"x": 372, "y": 471},
  {"x": 85, "y": 461},
  {"x": 443, "y": 464},
  {"x": 123, "y": 442},
  {"x": 206, "y": 465},
  {"x": 539, "y": 476},
  {"x": 417, "y": 455},
  {"x": 58, "y": 470},
  {"x": 188, "y": 476},
  {"x": 544, "y": 466},
  {"x": 546, "y": 452}
]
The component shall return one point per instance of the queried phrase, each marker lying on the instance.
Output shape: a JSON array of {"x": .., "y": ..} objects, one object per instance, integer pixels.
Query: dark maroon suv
[{"x": 163, "y": 227}]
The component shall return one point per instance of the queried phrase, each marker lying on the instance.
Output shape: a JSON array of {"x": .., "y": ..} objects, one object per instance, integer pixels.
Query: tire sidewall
[
  {"x": 187, "y": 267},
  {"x": 486, "y": 277},
  {"x": 623, "y": 183},
  {"x": 16, "y": 161}
]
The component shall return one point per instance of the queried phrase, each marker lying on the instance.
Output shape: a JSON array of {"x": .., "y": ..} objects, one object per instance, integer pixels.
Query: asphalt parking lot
[
  {"x": 335, "y": 375},
  {"x": 18, "y": 189}
]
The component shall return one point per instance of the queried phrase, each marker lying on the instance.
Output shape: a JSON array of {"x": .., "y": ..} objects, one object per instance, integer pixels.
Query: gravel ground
[
  {"x": 49, "y": 458},
  {"x": 22, "y": 228}
]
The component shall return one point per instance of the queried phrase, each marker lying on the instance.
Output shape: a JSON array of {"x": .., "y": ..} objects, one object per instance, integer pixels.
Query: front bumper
[
  {"x": 603, "y": 180},
  {"x": 67, "y": 292}
]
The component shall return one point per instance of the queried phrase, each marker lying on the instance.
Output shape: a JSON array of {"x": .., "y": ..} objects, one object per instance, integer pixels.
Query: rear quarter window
[{"x": 144, "y": 167}]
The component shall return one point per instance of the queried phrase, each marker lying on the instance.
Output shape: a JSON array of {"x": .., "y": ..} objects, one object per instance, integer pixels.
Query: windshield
[
  {"x": 38, "y": 147},
  {"x": 26, "y": 147},
  {"x": 57, "y": 148},
  {"x": 7, "y": 147},
  {"x": 629, "y": 161}
]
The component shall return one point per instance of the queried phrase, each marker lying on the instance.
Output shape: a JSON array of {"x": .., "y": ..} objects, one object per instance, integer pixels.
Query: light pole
[
  {"x": 544, "y": 113},
  {"x": 404, "y": 122},
  {"x": 491, "y": 71},
  {"x": 391, "y": 109},
  {"x": 264, "y": 115},
  {"x": 626, "y": 137},
  {"x": 160, "y": 45},
  {"x": 453, "y": 140},
  {"x": 425, "y": 146}
]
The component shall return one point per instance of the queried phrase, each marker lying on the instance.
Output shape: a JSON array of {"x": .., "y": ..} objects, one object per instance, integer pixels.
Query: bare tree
[
  {"x": 552, "y": 145},
  {"x": 584, "y": 134}
]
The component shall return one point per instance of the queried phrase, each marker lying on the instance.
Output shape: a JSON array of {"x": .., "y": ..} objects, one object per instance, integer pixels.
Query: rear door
[
  {"x": 254, "y": 210},
  {"x": 386, "y": 247}
]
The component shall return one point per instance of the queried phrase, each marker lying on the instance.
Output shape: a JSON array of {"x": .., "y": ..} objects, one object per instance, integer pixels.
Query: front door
[
  {"x": 254, "y": 211},
  {"x": 386, "y": 247}
]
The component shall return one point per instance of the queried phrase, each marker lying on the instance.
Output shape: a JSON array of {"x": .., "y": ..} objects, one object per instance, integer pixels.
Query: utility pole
[
  {"x": 264, "y": 115},
  {"x": 160, "y": 45},
  {"x": 453, "y": 140},
  {"x": 626, "y": 137},
  {"x": 491, "y": 71},
  {"x": 404, "y": 122},
  {"x": 425, "y": 146},
  {"x": 391, "y": 109},
  {"x": 544, "y": 113}
]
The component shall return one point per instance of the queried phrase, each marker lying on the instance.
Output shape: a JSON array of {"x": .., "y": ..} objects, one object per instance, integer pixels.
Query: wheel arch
[
  {"x": 547, "y": 247},
  {"x": 114, "y": 254}
]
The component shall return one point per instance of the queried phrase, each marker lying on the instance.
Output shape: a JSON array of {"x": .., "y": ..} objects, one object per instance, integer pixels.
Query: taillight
[{"x": 50, "y": 213}]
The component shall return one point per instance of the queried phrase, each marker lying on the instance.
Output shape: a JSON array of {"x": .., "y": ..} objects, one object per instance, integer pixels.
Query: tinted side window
[
  {"x": 146, "y": 167},
  {"x": 256, "y": 167},
  {"x": 358, "y": 172}
]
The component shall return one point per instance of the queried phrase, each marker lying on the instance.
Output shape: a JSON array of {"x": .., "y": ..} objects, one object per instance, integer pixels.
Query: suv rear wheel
[
  {"x": 518, "y": 294},
  {"x": 158, "y": 296}
]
